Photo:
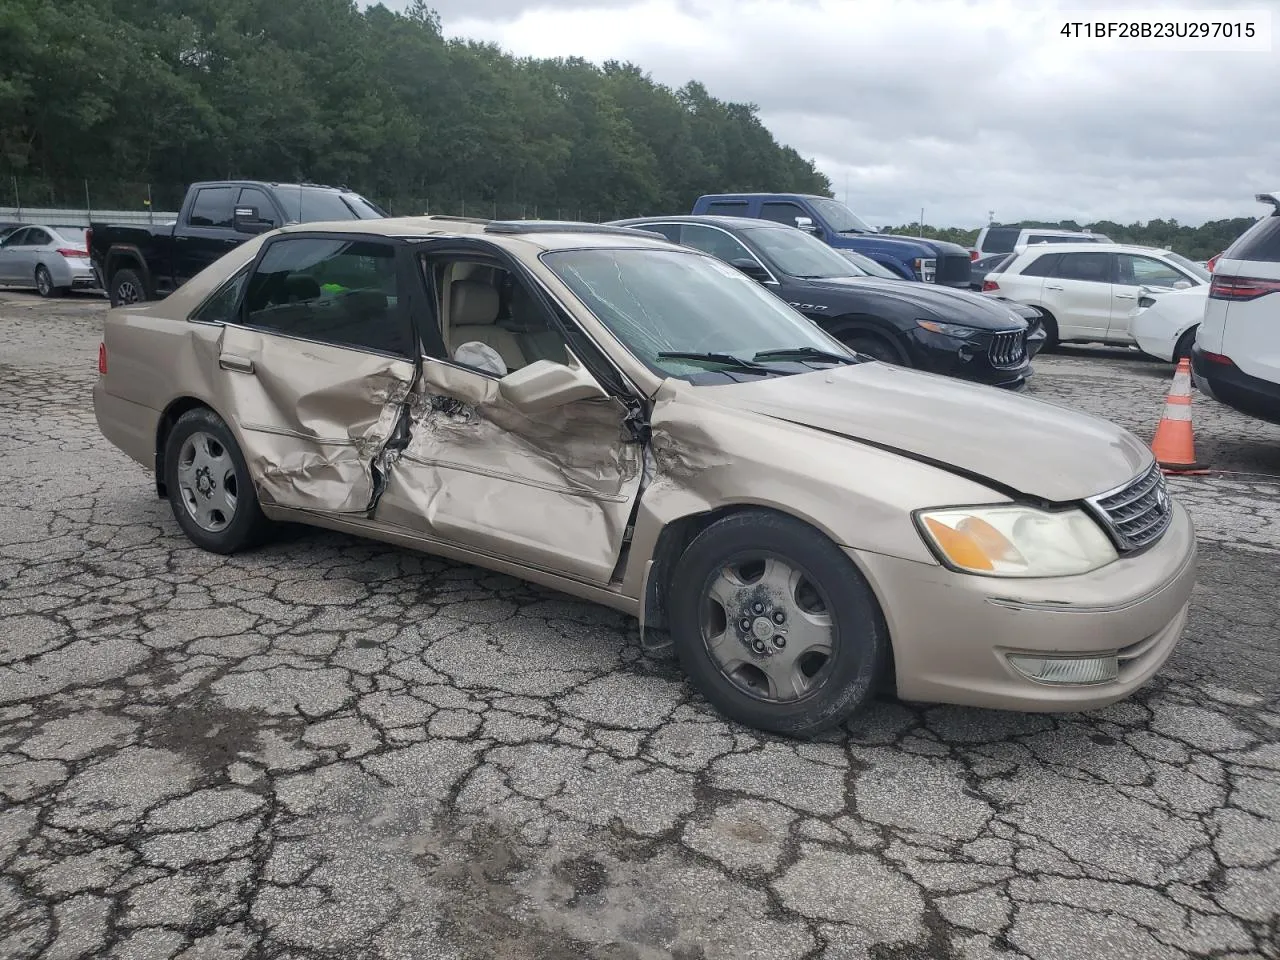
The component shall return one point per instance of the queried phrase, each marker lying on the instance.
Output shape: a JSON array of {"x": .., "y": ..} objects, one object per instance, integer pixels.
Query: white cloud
[{"x": 957, "y": 107}]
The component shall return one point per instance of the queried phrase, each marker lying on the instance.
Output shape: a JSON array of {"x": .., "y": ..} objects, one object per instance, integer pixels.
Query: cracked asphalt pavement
[{"x": 329, "y": 748}]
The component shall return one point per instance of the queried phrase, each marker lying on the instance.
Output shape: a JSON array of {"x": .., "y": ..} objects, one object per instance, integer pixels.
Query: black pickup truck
[{"x": 147, "y": 261}]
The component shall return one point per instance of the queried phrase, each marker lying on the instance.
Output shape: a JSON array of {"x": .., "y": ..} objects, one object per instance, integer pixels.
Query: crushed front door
[
  {"x": 314, "y": 419},
  {"x": 553, "y": 491}
]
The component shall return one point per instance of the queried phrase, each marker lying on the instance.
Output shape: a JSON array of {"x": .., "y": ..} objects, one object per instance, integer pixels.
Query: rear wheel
[
  {"x": 208, "y": 484},
  {"x": 44, "y": 282},
  {"x": 874, "y": 345},
  {"x": 775, "y": 625},
  {"x": 126, "y": 288}
]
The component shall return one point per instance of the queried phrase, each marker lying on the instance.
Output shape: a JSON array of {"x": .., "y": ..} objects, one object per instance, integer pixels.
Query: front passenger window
[{"x": 331, "y": 290}]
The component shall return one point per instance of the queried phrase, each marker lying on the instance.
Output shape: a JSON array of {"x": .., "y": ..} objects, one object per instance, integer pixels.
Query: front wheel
[
  {"x": 208, "y": 484},
  {"x": 875, "y": 346},
  {"x": 775, "y": 625},
  {"x": 1182, "y": 351}
]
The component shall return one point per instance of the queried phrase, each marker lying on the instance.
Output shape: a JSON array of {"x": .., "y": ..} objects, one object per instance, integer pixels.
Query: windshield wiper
[
  {"x": 728, "y": 359},
  {"x": 804, "y": 353},
  {"x": 852, "y": 230}
]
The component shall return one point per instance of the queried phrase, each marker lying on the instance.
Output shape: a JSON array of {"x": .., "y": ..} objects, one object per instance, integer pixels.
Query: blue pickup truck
[{"x": 913, "y": 258}]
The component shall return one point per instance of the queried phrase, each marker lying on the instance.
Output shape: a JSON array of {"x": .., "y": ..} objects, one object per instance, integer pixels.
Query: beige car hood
[{"x": 1012, "y": 443}]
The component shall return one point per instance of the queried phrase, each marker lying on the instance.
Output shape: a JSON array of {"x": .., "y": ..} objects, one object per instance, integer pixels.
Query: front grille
[
  {"x": 954, "y": 270},
  {"x": 1007, "y": 349},
  {"x": 1138, "y": 513}
]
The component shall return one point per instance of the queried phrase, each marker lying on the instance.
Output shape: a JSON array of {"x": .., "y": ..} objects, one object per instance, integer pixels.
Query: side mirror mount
[
  {"x": 751, "y": 269},
  {"x": 807, "y": 225},
  {"x": 545, "y": 385},
  {"x": 247, "y": 220}
]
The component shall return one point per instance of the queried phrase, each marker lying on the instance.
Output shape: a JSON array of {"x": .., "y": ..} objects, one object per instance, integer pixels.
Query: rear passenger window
[
  {"x": 1042, "y": 266},
  {"x": 213, "y": 207},
  {"x": 333, "y": 290},
  {"x": 221, "y": 307},
  {"x": 728, "y": 208},
  {"x": 1090, "y": 267},
  {"x": 1259, "y": 242},
  {"x": 1000, "y": 240}
]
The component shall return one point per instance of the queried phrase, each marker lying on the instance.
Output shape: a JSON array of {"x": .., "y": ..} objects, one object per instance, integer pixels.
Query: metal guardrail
[{"x": 81, "y": 218}]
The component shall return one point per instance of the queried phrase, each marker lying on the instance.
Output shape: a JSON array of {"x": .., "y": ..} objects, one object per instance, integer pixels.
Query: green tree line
[
  {"x": 171, "y": 91},
  {"x": 1197, "y": 243}
]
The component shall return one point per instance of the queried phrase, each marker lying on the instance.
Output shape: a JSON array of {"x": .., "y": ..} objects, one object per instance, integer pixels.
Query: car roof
[
  {"x": 543, "y": 235},
  {"x": 709, "y": 219},
  {"x": 752, "y": 196},
  {"x": 1086, "y": 247}
]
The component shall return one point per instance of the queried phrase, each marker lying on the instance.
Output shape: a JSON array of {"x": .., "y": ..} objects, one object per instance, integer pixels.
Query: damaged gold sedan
[{"x": 635, "y": 423}]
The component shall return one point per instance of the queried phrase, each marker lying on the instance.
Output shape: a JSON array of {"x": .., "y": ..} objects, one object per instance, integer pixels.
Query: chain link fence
[{"x": 77, "y": 202}]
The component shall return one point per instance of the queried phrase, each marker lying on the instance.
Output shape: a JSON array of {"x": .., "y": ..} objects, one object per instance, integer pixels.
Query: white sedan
[{"x": 1166, "y": 321}]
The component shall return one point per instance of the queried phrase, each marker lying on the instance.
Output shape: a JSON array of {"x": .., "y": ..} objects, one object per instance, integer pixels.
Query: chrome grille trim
[
  {"x": 1007, "y": 349},
  {"x": 1137, "y": 514}
]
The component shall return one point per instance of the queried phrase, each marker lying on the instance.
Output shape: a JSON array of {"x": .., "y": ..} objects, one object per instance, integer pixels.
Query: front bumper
[
  {"x": 967, "y": 358},
  {"x": 952, "y": 633},
  {"x": 1230, "y": 385}
]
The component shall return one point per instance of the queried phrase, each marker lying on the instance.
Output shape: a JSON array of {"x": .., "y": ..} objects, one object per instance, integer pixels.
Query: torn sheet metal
[
  {"x": 313, "y": 418},
  {"x": 554, "y": 491}
]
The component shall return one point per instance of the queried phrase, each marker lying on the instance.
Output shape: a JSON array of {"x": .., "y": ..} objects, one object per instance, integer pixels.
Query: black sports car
[{"x": 922, "y": 325}]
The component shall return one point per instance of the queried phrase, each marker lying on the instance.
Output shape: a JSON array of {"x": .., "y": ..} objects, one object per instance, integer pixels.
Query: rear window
[
  {"x": 1259, "y": 242},
  {"x": 1050, "y": 238},
  {"x": 728, "y": 208},
  {"x": 1042, "y": 266},
  {"x": 1004, "y": 262},
  {"x": 1000, "y": 239}
]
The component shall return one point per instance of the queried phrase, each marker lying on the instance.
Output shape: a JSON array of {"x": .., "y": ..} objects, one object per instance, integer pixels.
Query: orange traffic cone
[{"x": 1174, "y": 443}]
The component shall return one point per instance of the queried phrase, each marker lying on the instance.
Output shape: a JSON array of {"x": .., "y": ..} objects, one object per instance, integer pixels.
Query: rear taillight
[
  {"x": 973, "y": 255},
  {"x": 1213, "y": 262},
  {"x": 1219, "y": 358},
  {"x": 989, "y": 285},
  {"x": 1241, "y": 288},
  {"x": 102, "y": 358},
  {"x": 69, "y": 252}
]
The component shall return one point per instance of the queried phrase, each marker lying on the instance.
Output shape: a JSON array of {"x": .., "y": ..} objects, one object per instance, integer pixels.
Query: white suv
[
  {"x": 1237, "y": 352},
  {"x": 1088, "y": 291},
  {"x": 1008, "y": 239}
]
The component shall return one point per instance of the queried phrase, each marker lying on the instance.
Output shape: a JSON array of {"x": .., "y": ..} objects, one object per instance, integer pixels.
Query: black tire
[
  {"x": 874, "y": 345},
  {"x": 1050, "y": 324},
  {"x": 127, "y": 287},
  {"x": 246, "y": 526},
  {"x": 44, "y": 282},
  {"x": 1182, "y": 351},
  {"x": 859, "y": 638}
]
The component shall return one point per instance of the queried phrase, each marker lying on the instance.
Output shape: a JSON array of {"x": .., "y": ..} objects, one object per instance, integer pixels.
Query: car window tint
[
  {"x": 309, "y": 204},
  {"x": 254, "y": 197},
  {"x": 1090, "y": 267},
  {"x": 713, "y": 241},
  {"x": 669, "y": 230},
  {"x": 1137, "y": 270},
  {"x": 212, "y": 207},
  {"x": 782, "y": 212},
  {"x": 1000, "y": 240},
  {"x": 1260, "y": 242},
  {"x": 728, "y": 208},
  {"x": 332, "y": 290},
  {"x": 1042, "y": 266},
  {"x": 221, "y": 307}
]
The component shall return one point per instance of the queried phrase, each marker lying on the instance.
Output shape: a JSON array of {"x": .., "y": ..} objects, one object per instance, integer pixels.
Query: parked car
[
  {"x": 1166, "y": 321},
  {"x": 146, "y": 262},
  {"x": 921, "y": 325},
  {"x": 993, "y": 240},
  {"x": 635, "y": 423},
  {"x": 9, "y": 226},
  {"x": 933, "y": 261},
  {"x": 1089, "y": 292},
  {"x": 983, "y": 265},
  {"x": 1236, "y": 356},
  {"x": 51, "y": 259}
]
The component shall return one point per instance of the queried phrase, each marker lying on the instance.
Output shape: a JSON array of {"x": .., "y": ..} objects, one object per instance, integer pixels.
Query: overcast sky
[{"x": 957, "y": 107}]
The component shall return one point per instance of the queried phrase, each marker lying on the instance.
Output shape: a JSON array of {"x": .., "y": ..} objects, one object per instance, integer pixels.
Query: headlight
[
  {"x": 947, "y": 329},
  {"x": 1016, "y": 541},
  {"x": 926, "y": 268}
]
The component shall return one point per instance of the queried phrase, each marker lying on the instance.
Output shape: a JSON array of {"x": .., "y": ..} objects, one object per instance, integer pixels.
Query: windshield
[
  {"x": 839, "y": 217},
  {"x": 1190, "y": 266},
  {"x": 311, "y": 204},
  {"x": 668, "y": 301},
  {"x": 801, "y": 254},
  {"x": 868, "y": 266}
]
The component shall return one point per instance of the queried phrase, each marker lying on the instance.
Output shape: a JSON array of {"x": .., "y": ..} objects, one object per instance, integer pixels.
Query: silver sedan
[{"x": 51, "y": 259}]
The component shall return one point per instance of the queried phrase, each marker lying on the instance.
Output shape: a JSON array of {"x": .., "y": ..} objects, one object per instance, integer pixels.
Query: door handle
[
  {"x": 240, "y": 364},
  {"x": 1125, "y": 296},
  {"x": 1052, "y": 288}
]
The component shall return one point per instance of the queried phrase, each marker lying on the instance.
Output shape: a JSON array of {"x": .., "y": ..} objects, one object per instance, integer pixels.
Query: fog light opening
[{"x": 1067, "y": 670}]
